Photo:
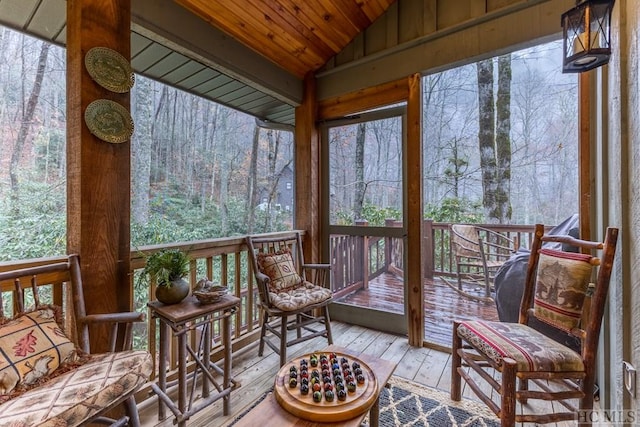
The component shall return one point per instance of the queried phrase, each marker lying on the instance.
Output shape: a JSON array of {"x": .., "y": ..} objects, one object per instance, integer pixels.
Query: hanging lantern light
[{"x": 587, "y": 35}]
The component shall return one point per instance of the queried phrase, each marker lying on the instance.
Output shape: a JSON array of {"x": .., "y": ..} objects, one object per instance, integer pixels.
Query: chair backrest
[
  {"x": 464, "y": 239},
  {"x": 262, "y": 245},
  {"x": 557, "y": 284},
  {"x": 69, "y": 272}
]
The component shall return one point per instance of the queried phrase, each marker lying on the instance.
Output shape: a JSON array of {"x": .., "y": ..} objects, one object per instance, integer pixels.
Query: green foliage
[
  {"x": 32, "y": 222},
  {"x": 167, "y": 265},
  {"x": 374, "y": 215},
  {"x": 456, "y": 211}
]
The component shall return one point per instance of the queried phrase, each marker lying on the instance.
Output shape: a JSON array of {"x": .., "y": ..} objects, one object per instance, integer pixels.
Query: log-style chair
[
  {"x": 45, "y": 378},
  {"x": 478, "y": 254},
  {"x": 293, "y": 295},
  {"x": 563, "y": 289}
]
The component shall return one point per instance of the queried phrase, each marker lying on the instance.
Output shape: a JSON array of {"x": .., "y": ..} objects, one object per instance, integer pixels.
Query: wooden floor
[
  {"x": 441, "y": 305},
  {"x": 256, "y": 375}
]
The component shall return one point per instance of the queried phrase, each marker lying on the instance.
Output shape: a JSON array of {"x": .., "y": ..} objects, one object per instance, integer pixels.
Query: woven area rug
[{"x": 405, "y": 403}]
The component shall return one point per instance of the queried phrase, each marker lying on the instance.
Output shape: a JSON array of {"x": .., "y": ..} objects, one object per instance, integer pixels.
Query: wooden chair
[
  {"x": 479, "y": 253},
  {"x": 85, "y": 387},
  {"x": 555, "y": 289},
  {"x": 291, "y": 292}
]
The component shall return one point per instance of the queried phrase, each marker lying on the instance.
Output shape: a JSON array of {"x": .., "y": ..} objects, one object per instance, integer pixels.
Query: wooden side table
[{"x": 180, "y": 319}]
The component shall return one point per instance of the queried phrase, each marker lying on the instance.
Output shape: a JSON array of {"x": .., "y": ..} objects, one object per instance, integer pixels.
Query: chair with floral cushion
[
  {"x": 291, "y": 292},
  {"x": 565, "y": 290},
  {"x": 45, "y": 379}
]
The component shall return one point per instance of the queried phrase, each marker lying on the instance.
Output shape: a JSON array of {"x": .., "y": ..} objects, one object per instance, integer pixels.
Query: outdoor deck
[
  {"x": 441, "y": 304},
  {"x": 422, "y": 365}
]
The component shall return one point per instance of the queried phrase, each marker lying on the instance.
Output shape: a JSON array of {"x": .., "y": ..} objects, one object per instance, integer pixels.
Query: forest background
[{"x": 201, "y": 170}]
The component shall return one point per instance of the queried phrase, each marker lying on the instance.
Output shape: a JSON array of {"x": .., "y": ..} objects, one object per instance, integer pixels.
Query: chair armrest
[
  {"x": 318, "y": 266},
  {"x": 318, "y": 274},
  {"x": 124, "y": 317},
  {"x": 120, "y": 337}
]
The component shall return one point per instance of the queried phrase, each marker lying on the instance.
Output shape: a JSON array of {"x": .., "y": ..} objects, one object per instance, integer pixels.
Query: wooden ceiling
[{"x": 299, "y": 36}]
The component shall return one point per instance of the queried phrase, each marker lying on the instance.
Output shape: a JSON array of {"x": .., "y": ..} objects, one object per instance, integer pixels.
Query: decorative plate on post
[
  {"x": 109, "y": 69},
  {"x": 109, "y": 121}
]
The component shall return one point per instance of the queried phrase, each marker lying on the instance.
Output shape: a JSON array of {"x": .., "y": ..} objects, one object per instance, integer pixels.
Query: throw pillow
[
  {"x": 561, "y": 286},
  {"x": 32, "y": 346},
  {"x": 280, "y": 268}
]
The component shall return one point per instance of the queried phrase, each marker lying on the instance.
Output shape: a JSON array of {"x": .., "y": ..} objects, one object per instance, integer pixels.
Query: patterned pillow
[
  {"x": 561, "y": 285},
  {"x": 280, "y": 269},
  {"x": 32, "y": 346}
]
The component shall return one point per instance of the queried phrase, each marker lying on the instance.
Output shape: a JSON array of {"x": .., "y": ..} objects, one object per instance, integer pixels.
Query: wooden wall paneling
[
  {"x": 430, "y": 16},
  {"x": 498, "y": 4},
  {"x": 362, "y": 100},
  {"x": 391, "y": 20},
  {"x": 308, "y": 209},
  {"x": 375, "y": 37},
  {"x": 414, "y": 270},
  {"x": 98, "y": 173},
  {"x": 410, "y": 14},
  {"x": 452, "y": 13}
]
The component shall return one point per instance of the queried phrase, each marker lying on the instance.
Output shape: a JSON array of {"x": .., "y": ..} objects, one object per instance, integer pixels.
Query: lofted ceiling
[
  {"x": 299, "y": 36},
  {"x": 248, "y": 55}
]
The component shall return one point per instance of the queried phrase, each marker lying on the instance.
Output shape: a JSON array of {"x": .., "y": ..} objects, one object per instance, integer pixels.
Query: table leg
[
  {"x": 226, "y": 339},
  {"x": 182, "y": 375},
  {"x": 162, "y": 367},
  {"x": 206, "y": 356},
  {"x": 374, "y": 413}
]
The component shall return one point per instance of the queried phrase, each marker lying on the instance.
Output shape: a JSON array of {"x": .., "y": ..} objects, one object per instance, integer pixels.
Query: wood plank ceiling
[{"x": 299, "y": 36}]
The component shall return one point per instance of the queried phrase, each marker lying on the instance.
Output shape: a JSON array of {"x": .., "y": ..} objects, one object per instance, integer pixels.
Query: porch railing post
[{"x": 428, "y": 248}]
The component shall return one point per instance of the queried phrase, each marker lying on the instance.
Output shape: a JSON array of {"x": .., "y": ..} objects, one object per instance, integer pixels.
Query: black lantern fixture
[{"x": 587, "y": 35}]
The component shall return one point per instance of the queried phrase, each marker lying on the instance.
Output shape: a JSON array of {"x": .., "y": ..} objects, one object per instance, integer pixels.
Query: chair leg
[
  {"x": 283, "y": 340},
  {"x": 263, "y": 332},
  {"x": 524, "y": 386},
  {"x": 327, "y": 324},
  {"x": 508, "y": 393},
  {"x": 586, "y": 403},
  {"x": 298, "y": 328},
  {"x": 132, "y": 411},
  {"x": 458, "y": 274},
  {"x": 456, "y": 363}
]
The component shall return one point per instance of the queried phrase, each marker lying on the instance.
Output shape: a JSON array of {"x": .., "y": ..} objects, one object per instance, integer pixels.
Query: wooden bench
[{"x": 45, "y": 379}]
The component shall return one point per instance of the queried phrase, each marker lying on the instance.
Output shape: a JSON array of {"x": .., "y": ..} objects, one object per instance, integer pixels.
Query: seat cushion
[
  {"x": 77, "y": 395},
  {"x": 531, "y": 350},
  {"x": 280, "y": 268},
  {"x": 33, "y": 345},
  {"x": 300, "y": 296}
]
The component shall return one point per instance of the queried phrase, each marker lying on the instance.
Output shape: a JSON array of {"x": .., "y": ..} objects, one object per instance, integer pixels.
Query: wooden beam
[
  {"x": 364, "y": 99},
  {"x": 413, "y": 156},
  {"x": 584, "y": 154},
  {"x": 308, "y": 210},
  {"x": 98, "y": 173}
]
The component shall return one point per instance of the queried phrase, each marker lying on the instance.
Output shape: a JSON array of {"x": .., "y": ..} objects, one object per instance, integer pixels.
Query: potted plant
[{"x": 168, "y": 268}]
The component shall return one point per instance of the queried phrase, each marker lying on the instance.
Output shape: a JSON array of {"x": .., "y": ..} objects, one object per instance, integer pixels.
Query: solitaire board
[{"x": 355, "y": 400}]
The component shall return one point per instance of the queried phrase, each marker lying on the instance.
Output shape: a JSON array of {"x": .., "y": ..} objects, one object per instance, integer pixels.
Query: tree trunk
[
  {"x": 486, "y": 135},
  {"x": 252, "y": 187},
  {"x": 27, "y": 118},
  {"x": 141, "y": 150},
  {"x": 502, "y": 212},
  {"x": 358, "y": 201}
]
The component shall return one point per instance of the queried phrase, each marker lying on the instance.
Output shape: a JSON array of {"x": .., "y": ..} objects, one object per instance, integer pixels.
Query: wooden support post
[
  {"x": 307, "y": 165},
  {"x": 414, "y": 268},
  {"x": 98, "y": 174}
]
